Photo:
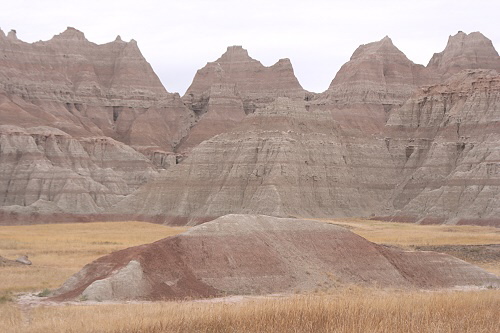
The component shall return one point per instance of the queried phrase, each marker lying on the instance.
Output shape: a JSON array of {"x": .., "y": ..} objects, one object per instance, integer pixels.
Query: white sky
[{"x": 179, "y": 37}]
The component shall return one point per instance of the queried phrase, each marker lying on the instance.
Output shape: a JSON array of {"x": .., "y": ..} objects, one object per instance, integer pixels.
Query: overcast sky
[{"x": 179, "y": 37}]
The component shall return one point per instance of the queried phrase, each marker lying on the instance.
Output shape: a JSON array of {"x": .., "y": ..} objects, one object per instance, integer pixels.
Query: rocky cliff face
[
  {"x": 224, "y": 109},
  {"x": 86, "y": 89},
  {"x": 337, "y": 157},
  {"x": 45, "y": 168},
  {"x": 377, "y": 79},
  {"x": 465, "y": 51},
  {"x": 84, "y": 119},
  {"x": 389, "y": 138},
  {"x": 377, "y": 73},
  {"x": 445, "y": 139},
  {"x": 226, "y": 90},
  {"x": 281, "y": 160}
]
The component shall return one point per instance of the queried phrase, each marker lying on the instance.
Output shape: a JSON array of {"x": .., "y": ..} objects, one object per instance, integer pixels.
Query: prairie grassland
[
  {"x": 60, "y": 250},
  {"x": 350, "y": 310},
  {"x": 410, "y": 234}
]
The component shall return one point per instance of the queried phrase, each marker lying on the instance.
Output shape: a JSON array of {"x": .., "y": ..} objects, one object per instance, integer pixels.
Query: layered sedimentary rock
[
  {"x": 251, "y": 254},
  {"x": 445, "y": 142},
  {"x": 389, "y": 138},
  {"x": 281, "y": 160},
  {"x": 86, "y": 89},
  {"x": 224, "y": 110},
  {"x": 47, "y": 168},
  {"x": 255, "y": 83},
  {"x": 79, "y": 122},
  {"x": 234, "y": 85},
  {"x": 377, "y": 73},
  {"x": 465, "y": 51},
  {"x": 377, "y": 79},
  {"x": 324, "y": 157}
]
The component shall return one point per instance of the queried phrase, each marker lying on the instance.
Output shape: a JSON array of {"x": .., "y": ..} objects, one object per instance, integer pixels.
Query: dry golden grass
[
  {"x": 410, "y": 234},
  {"x": 351, "y": 310},
  {"x": 60, "y": 250}
]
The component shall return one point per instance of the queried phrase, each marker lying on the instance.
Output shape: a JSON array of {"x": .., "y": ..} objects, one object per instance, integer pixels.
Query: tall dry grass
[
  {"x": 352, "y": 310},
  {"x": 60, "y": 250}
]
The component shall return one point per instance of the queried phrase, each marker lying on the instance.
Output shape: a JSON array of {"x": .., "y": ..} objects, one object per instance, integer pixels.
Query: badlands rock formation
[
  {"x": 81, "y": 125},
  {"x": 465, "y": 51},
  {"x": 86, "y": 89},
  {"x": 45, "y": 168},
  {"x": 281, "y": 160},
  {"x": 251, "y": 254},
  {"x": 377, "y": 73},
  {"x": 330, "y": 156},
  {"x": 226, "y": 90},
  {"x": 89, "y": 124},
  {"x": 445, "y": 141},
  {"x": 255, "y": 84}
]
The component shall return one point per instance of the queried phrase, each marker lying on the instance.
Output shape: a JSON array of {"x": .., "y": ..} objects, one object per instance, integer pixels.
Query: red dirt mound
[{"x": 252, "y": 254}]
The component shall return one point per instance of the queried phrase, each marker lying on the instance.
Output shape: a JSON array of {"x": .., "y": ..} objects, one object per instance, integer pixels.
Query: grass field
[
  {"x": 350, "y": 310},
  {"x": 410, "y": 234},
  {"x": 60, "y": 250}
]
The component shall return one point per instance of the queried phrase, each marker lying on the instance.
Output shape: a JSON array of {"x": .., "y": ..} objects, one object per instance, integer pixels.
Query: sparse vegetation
[
  {"x": 44, "y": 293},
  {"x": 58, "y": 251},
  {"x": 5, "y": 297}
]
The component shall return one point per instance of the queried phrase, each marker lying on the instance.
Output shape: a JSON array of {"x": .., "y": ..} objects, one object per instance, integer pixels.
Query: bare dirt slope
[{"x": 254, "y": 254}]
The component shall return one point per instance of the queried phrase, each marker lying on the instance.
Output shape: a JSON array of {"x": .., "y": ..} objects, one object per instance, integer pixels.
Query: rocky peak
[
  {"x": 377, "y": 72},
  {"x": 382, "y": 48},
  {"x": 71, "y": 34},
  {"x": 89, "y": 89},
  {"x": 12, "y": 35},
  {"x": 285, "y": 62},
  {"x": 235, "y": 85},
  {"x": 132, "y": 49},
  {"x": 465, "y": 51},
  {"x": 254, "y": 81},
  {"x": 235, "y": 53}
]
